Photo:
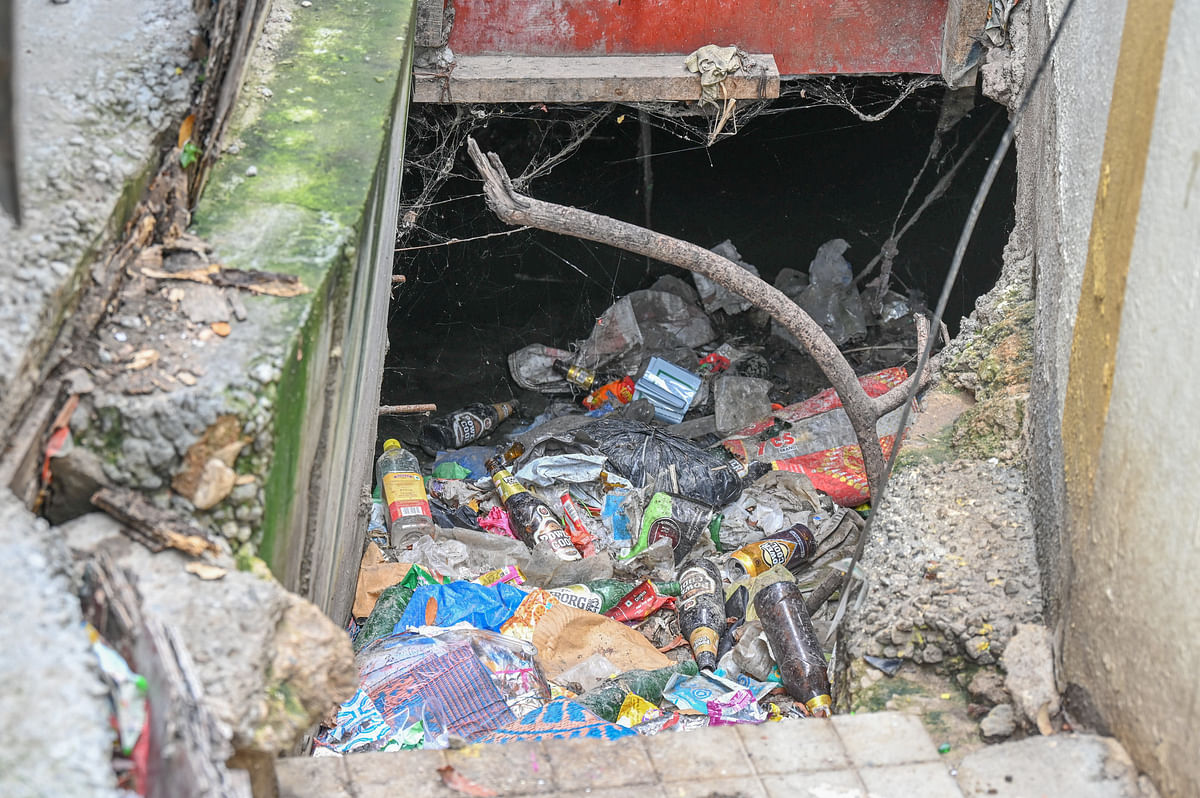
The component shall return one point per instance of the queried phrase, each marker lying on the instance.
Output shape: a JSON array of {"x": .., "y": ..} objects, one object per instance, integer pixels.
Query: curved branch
[{"x": 518, "y": 209}]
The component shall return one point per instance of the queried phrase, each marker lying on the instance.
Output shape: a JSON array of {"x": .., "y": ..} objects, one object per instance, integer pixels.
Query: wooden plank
[{"x": 581, "y": 79}]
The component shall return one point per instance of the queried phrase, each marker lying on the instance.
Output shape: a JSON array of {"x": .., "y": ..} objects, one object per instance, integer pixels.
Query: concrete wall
[{"x": 1111, "y": 205}]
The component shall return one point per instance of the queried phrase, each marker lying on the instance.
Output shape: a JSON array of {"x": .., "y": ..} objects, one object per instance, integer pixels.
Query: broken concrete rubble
[
  {"x": 1029, "y": 673},
  {"x": 269, "y": 663}
]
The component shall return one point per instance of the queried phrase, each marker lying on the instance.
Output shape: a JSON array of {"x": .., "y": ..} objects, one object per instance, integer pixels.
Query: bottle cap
[{"x": 391, "y": 443}]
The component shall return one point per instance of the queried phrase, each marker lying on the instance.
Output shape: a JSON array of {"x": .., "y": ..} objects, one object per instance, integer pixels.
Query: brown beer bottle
[
  {"x": 464, "y": 426},
  {"x": 701, "y": 610},
  {"x": 530, "y": 516},
  {"x": 794, "y": 646}
]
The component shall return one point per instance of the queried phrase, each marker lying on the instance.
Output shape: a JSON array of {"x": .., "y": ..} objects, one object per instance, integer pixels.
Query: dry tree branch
[{"x": 864, "y": 412}]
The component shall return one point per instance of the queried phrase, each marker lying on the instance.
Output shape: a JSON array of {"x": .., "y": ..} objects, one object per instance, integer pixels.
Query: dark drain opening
[{"x": 791, "y": 179}]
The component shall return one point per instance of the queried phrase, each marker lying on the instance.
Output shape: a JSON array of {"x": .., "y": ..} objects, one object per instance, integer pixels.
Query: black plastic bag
[{"x": 642, "y": 453}]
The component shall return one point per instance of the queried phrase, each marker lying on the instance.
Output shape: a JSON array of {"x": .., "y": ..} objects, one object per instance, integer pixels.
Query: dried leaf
[
  {"x": 143, "y": 359},
  {"x": 205, "y": 571},
  {"x": 186, "y": 377},
  {"x": 1043, "y": 720},
  {"x": 221, "y": 328},
  {"x": 185, "y": 130},
  {"x": 460, "y": 783}
]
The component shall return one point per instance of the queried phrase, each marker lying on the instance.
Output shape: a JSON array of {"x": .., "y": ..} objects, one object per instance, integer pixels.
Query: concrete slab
[
  {"x": 1063, "y": 766},
  {"x": 928, "y": 780},
  {"x": 884, "y": 738}
]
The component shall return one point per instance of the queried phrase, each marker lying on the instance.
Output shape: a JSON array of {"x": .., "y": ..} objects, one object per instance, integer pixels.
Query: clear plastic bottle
[{"x": 403, "y": 490}]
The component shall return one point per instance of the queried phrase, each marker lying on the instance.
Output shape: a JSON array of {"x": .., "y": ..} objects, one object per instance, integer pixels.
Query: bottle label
[
  {"x": 546, "y": 531},
  {"x": 467, "y": 427},
  {"x": 580, "y": 376},
  {"x": 404, "y": 492},
  {"x": 703, "y": 640},
  {"x": 694, "y": 583},
  {"x": 507, "y": 485},
  {"x": 579, "y": 596},
  {"x": 764, "y": 555},
  {"x": 503, "y": 411}
]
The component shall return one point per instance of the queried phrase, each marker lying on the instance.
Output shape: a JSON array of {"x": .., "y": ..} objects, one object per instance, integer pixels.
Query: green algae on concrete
[{"x": 312, "y": 132}]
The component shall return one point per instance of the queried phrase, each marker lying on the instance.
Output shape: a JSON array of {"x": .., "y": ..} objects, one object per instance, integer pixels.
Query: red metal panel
[{"x": 805, "y": 36}]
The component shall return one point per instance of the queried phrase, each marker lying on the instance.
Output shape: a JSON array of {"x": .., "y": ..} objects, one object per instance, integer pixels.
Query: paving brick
[
  {"x": 302, "y": 777},
  {"x": 379, "y": 775},
  {"x": 884, "y": 738},
  {"x": 825, "y": 784},
  {"x": 588, "y": 764},
  {"x": 793, "y": 745},
  {"x": 705, "y": 754},
  {"x": 745, "y": 787},
  {"x": 643, "y": 791},
  {"x": 928, "y": 780},
  {"x": 511, "y": 769}
]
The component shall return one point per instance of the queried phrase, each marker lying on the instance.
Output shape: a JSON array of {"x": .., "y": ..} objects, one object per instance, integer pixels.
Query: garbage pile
[{"x": 654, "y": 552}]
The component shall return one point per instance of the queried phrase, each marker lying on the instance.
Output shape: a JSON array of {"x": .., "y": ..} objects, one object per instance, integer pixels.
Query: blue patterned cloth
[{"x": 560, "y": 719}]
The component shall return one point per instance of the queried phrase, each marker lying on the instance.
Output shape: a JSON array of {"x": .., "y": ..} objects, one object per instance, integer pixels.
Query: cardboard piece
[
  {"x": 375, "y": 575},
  {"x": 566, "y": 636}
]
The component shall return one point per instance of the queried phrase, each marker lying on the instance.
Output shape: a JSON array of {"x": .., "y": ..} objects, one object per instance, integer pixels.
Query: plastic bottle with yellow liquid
[{"x": 404, "y": 496}]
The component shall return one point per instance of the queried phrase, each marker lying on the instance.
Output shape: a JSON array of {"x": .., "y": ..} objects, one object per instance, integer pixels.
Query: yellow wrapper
[{"x": 635, "y": 710}]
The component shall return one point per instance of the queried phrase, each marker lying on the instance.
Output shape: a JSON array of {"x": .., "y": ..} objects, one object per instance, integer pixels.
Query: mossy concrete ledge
[{"x": 309, "y": 186}]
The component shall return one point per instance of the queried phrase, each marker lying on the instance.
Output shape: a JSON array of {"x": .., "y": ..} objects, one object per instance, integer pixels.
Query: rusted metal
[{"x": 805, "y": 36}]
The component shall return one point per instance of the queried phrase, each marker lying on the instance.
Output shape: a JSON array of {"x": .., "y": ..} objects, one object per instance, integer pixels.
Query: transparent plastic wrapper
[
  {"x": 656, "y": 562},
  {"x": 715, "y": 297},
  {"x": 444, "y": 557},
  {"x": 751, "y": 656},
  {"x": 568, "y": 468},
  {"x": 831, "y": 298},
  {"x": 739, "y": 402},
  {"x": 589, "y": 674},
  {"x": 606, "y": 700},
  {"x": 532, "y": 368},
  {"x": 643, "y": 453}
]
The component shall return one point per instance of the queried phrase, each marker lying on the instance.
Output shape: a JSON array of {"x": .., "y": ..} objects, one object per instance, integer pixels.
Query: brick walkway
[{"x": 881, "y": 755}]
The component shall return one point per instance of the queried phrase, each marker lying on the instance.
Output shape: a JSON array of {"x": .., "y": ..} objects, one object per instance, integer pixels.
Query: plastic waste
[
  {"x": 126, "y": 689},
  {"x": 725, "y": 702},
  {"x": 794, "y": 646},
  {"x": 446, "y": 558},
  {"x": 752, "y": 655},
  {"x": 831, "y": 298},
  {"x": 669, "y": 388},
  {"x": 675, "y": 518},
  {"x": 635, "y": 710},
  {"x": 588, "y": 674},
  {"x": 606, "y": 700},
  {"x": 482, "y": 606},
  {"x": 569, "y": 468},
  {"x": 577, "y": 529},
  {"x": 673, "y": 722},
  {"x": 403, "y": 489},
  {"x": 390, "y": 606},
  {"x": 643, "y": 454},
  {"x": 617, "y": 392},
  {"x": 641, "y": 602},
  {"x": 377, "y": 525},
  {"x": 701, "y": 609},
  {"x": 509, "y": 573},
  {"x": 461, "y": 427},
  {"x": 739, "y": 402},
  {"x": 531, "y": 519},
  {"x": 715, "y": 297},
  {"x": 790, "y": 548},
  {"x": 566, "y": 636},
  {"x": 528, "y": 614},
  {"x": 601, "y": 595}
]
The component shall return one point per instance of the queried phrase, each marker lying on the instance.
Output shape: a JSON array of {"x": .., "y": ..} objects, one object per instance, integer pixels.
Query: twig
[
  {"x": 400, "y": 410},
  {"x": 863, "y": 411}
]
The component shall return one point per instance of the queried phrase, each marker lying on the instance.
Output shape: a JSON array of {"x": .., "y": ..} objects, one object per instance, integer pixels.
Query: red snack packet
[{"x": 640, "y": 603}]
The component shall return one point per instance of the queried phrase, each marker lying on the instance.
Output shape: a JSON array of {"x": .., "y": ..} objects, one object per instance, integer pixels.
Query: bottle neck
[{"x": 506, "y": 484}]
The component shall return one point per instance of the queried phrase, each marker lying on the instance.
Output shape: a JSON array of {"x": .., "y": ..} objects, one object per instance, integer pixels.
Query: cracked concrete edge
[{"x": 97, "y": 89}]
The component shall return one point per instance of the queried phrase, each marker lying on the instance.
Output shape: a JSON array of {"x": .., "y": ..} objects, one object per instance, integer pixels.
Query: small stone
[
  {"x": 999, "y": 723},
  {"x": 251, "y": 171},
  {"x": 306, "y": 3},
  {"x": 987, "y": 687},
  {"x": 266, "y": 92},
  {"x": 933, "y": 654}
]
